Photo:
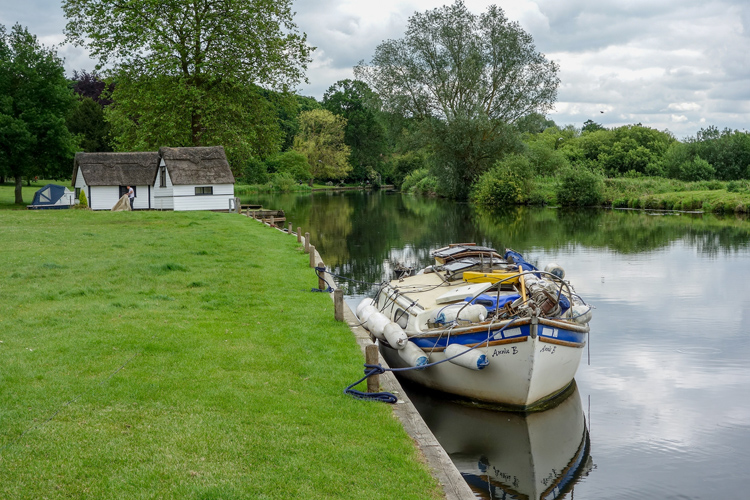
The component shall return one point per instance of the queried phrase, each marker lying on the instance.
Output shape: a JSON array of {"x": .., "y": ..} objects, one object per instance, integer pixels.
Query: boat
[
  {"x": 482, "y": 325},
  {"x": 539, "y": 455}
]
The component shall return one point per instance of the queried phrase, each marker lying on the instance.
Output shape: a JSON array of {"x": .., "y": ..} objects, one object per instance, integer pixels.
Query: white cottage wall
[
  {"x": 163, "y": 196},
  {"x": 186, "y": 199},
  {"x": 103, "y": 197}
]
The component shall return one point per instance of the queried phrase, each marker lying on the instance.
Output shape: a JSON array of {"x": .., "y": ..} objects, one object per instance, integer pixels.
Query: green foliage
[
  {"x": 453, "y": 63},
  {"x": 545, "y": 161},
  {"x": 465, "y": 77},
  {"x": 591, "y": 126},
  {"x": 728, "y": 152},
  {"x": 282, "y": 182},
  {"x": 365, "y": 133},
  {"x": 87, "y": 122},
  {"x": 579, "y": 187},
  {"x": 738, "y": 186},
  {"x": 508, "y": 183},
  {"x": 321, "y": 141},
  {"x": 288, "y": 108},
  {"x": 292, "y": 163},
  {"x": 413, "y": 178},
  {"x": 189, "y": 73},
  {"x": 466, "y": 148},
  {"x": 406, "y": 163},
  {"x": 697, "y": 169},
  {"x": 534, "y": 123},
  {"x": 83, "y": 202},
  {"x": 34, "y": 102},
  {"x": 255, "y": 171},
  {"x": 149, "y": 112}
]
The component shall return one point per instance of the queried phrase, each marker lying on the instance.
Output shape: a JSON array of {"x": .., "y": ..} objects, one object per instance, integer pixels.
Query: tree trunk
[{"x": 19, "y": 191}]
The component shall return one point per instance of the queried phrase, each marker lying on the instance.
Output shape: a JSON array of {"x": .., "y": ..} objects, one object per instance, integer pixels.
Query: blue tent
[{"x": 52, "y": 196}]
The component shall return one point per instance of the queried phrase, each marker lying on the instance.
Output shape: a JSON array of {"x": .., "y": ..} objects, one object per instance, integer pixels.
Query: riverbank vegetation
[
  {"x": 170, "y": 355},
  {"x": 474, "y": 128}
]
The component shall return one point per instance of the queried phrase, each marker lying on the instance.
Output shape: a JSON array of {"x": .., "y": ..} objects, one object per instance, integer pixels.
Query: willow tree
[
  {"x": 468, "y": 77},
  {"x": 188, "y": 72}
]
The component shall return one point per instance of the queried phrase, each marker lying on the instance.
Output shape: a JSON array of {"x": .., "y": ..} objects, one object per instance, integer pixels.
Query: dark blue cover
[
  {"x": 491, "y": 301},
  {"x": 47, "y": 196},
  {"x": 518, "y": 259}
]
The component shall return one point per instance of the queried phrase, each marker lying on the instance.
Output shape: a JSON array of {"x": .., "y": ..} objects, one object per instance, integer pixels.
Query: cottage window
[
  {"x": 163, "y": 177},
  {"x": 78, "y": 193},
  {"x": 201, "y": 190},
  {"x": 124, "y": 191}
]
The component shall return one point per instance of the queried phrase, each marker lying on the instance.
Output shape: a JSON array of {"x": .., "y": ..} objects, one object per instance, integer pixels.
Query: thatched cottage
[{"x": 170, "y": 179}]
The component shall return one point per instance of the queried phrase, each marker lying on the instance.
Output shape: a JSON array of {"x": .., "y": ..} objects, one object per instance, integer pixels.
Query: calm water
[{"x": 664, "y": 388}]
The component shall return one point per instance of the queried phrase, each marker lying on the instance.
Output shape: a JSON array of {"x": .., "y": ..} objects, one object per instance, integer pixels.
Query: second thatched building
[{"x": 170, "y": 179}]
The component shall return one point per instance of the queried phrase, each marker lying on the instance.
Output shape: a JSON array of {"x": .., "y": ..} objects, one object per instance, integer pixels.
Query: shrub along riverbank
[{"x": 173, "y": 355}]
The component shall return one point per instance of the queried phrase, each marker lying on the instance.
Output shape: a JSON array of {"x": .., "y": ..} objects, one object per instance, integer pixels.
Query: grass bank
[{"x": 173, "y": 355}]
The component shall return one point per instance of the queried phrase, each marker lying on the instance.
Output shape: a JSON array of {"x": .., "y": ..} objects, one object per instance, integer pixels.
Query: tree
[
  {"x": 470, "y": 76},
  {"x": 364, "y": 133},
  {"x": 34, "y": 101},
  {"x": 93, "y": 86},
  {"x": 321, "y": 140},
  {"x": 199, "y": 61},
  {"x": 591, "y": 126},
  {"x": 87, "y": 121}
]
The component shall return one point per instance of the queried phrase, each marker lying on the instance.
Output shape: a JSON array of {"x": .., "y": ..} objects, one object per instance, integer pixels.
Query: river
[{"x": 662, "y": 405}]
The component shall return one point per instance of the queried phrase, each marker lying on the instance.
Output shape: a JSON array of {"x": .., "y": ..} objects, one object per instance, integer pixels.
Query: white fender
[
  {"x": 581, "y": 313},
  {"x": 395, "y": 336},
  {"x": 475, "y": 313},
  {"x": 362, "y": 304},
  {"x": 366, "y": 312},
  {"x": 376, "y": 324},
  {"x": 474, "y": 360},
  {"x": 413, "y": 355}
]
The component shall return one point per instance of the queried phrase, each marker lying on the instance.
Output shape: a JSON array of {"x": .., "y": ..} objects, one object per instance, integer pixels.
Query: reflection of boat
[
  {"x": 513, "y": 334},
  {"x": 512, "y": 455}
]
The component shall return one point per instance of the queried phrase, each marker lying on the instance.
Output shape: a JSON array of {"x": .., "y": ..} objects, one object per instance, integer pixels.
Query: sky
[{"x": 670, "y": 65}]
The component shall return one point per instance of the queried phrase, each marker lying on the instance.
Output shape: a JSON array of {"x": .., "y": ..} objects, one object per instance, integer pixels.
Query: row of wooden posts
[{"x": 371, "y": 350}]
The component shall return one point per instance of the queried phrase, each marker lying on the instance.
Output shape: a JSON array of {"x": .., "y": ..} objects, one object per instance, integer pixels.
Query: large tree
[
  {"x": 35, "y": 99},
  {"x": 468, "y": 77},
  {"x": 365, "y": 134},
  {"x": 200, "y": 61}
]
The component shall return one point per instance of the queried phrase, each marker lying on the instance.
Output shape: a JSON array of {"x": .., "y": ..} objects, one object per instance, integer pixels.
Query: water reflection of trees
[{"x": 362, "y": 235}]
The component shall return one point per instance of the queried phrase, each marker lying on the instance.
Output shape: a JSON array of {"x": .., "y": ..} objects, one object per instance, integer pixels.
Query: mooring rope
[{"x": 387, "y": 397}]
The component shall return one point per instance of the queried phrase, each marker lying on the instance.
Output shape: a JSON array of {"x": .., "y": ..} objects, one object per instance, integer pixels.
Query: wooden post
[
  {"x": 321, "y": 277},
  {"x": 299, "y": 234},
  {"x": 290, "y": 228},
  {"x": 307, "y": 242},
  {"x": 371, "y": 358},
  {"x": 312, "y": 256},
  {"x": 273, "y": 222},
  {"x": 338, "y": 304}
]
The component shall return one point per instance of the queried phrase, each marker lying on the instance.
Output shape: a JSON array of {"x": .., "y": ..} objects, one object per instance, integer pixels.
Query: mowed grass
[{"x": 181, "y": 355}]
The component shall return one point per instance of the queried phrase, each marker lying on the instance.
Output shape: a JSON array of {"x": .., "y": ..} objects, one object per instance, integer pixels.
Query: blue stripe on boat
[{"x": 509, "y": 333}]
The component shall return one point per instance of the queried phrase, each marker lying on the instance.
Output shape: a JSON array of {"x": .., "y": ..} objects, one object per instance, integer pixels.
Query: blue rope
[
  {"x": 383, "y": 397},
  {"x": 387, "y": 397}
]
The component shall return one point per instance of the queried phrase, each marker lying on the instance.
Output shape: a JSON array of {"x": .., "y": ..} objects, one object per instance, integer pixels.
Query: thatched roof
[
  {"x": 197, "y": 165},
  {"x": 116, "y": 169}
]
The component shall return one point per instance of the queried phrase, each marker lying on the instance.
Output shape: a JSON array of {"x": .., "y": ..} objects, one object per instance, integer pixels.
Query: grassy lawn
[{"x": 181, "y": 355}]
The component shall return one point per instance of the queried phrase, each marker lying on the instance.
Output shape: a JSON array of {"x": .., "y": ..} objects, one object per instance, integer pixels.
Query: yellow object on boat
[{"x": 494, "y": 277}]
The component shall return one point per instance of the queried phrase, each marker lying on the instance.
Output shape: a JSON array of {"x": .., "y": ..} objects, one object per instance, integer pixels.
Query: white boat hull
[{"x": 523, "y": 372}]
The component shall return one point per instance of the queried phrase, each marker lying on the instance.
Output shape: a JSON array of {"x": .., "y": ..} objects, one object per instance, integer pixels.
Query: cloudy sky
[{"x": 668, "y": 64}]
